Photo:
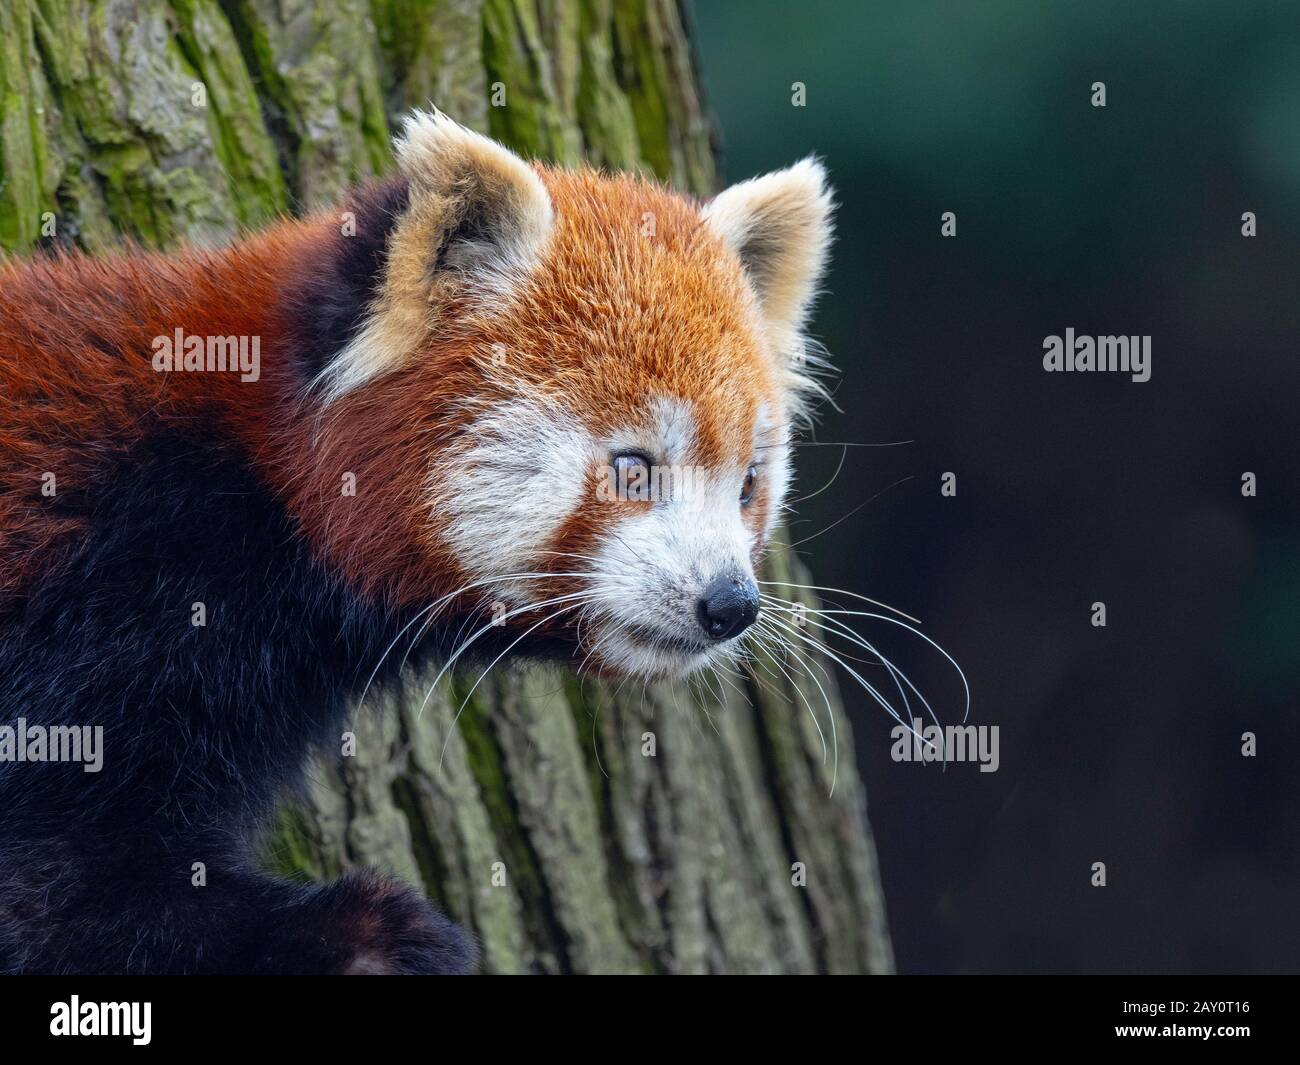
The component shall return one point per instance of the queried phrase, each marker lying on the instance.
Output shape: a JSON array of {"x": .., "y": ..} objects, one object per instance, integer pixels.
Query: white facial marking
[
  {"x": 772, "y": 452},
  {"x": 666, "y": 436},
  {"x": 519, "y": 474},
  {"x": 523, "y": 468},
  {"x": 655, "y": 564}
]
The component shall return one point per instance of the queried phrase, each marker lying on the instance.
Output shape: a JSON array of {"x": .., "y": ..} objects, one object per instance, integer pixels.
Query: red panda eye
[
  {"x": 631, "y": 461},
  {"x": 747, "y": 487},
  {"x": 631, "y": 476}
]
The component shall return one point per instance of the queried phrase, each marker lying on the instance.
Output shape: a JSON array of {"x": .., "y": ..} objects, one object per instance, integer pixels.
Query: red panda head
[{"x": 580, "y": 388}]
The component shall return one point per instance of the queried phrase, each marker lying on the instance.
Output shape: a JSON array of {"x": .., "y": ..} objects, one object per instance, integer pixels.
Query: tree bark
[{"x": 574, "y": 826}]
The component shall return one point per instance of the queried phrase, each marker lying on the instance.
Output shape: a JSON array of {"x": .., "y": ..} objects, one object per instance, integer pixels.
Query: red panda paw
[
  {"x": 389, "y": 929},
  {"x": 363, "y": 924}
]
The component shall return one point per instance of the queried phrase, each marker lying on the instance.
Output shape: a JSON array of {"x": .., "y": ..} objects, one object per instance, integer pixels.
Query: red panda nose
[{"x": 728, "y": 607}]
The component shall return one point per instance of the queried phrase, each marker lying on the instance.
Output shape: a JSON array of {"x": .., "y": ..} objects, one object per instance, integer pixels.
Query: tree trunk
[{"x": 574, "y": 826}]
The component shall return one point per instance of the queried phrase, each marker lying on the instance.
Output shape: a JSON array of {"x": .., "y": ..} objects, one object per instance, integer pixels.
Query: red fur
[{"x": 76, "y": 353}]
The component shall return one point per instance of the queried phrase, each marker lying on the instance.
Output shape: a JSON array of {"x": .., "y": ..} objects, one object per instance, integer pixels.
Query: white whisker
[
  {"x": 916, "y": 632},
  {"x": 442, "y": 602},
  {"x": 897, "y": 675},
  {"x": 465, "y": 702},
  {"x": 794, "y": 684},
  {"x": 884, "y": 703},
  {"x": 495, "y": 623},
  {"x": 839, "y": 591}
]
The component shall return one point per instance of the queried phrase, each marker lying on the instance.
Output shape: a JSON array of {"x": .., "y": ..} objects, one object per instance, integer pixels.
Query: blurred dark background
[{"x": 1119, "y": 744}]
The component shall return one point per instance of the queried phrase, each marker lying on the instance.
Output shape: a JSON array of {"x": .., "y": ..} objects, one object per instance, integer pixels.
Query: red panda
[{"x": 229, "y": 479}]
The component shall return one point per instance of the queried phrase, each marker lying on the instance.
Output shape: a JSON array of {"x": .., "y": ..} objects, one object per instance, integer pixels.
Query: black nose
[{"x": 728, "y": 607}]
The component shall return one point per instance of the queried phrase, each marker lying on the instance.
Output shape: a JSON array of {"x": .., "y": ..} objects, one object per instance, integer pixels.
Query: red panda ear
[
  {"x": 489, "y": 208},
  {"x": 779, "y": 225},
  {"x": 476, "y": 222}
]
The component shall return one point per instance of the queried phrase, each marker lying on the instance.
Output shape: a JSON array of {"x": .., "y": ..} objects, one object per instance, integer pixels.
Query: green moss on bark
[
  {"x": 316, "y": 69},
  {"x": 240, "y": 138},
  {"x": 525, "y": 107},
  {"x": 433, "y": 54}
]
